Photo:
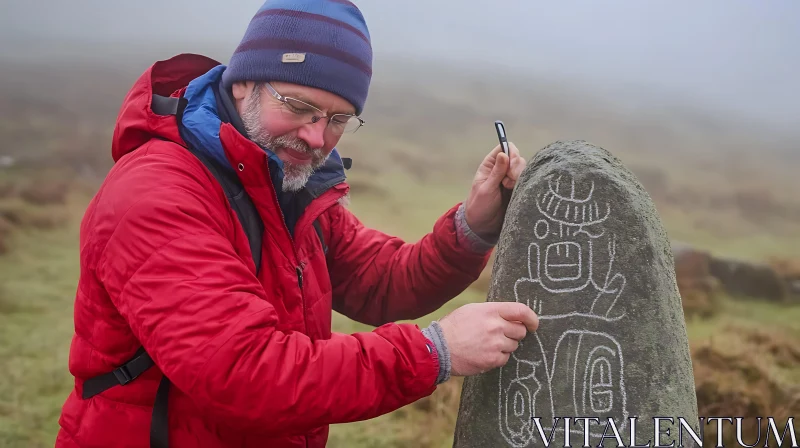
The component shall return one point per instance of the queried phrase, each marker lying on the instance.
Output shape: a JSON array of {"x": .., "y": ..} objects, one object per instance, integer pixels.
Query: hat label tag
[{"x": 292, "y": 58}]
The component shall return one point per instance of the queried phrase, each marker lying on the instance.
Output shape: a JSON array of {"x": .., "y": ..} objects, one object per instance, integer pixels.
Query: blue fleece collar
[{"x": 201, "y": 124}]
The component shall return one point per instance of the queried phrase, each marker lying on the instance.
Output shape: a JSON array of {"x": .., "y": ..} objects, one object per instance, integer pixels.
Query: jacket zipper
[{"x": 299, "y": 270}]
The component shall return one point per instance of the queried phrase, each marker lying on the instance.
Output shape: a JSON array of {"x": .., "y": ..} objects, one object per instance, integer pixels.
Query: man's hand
[
  {"x": 482, "y": 336},
  {"x": 485, "y": 207}
]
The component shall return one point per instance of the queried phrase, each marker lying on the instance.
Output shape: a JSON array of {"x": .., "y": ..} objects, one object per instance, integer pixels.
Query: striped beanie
[{"x": 316, "y": 43}]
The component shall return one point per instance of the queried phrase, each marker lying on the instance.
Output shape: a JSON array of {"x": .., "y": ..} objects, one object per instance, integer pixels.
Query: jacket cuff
[
  {"x": 438, "y": 347},
  {"x": 469, "y": 239}
]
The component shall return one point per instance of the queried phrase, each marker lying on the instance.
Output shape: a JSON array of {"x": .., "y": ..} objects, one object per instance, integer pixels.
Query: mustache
[{"x": 295, "y": 144}]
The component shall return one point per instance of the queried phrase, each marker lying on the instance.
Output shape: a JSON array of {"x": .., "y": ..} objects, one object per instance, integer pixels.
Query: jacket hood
[
  {"x": 136, "y": 122},
  {"x": 197, "y": 78}
]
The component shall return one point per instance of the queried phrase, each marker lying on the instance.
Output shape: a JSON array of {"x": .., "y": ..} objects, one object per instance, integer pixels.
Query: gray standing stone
[{"x": 584, "y": 247}]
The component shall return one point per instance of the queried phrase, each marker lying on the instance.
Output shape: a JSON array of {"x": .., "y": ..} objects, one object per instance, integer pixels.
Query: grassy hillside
[{"x": 722, "y": 187}]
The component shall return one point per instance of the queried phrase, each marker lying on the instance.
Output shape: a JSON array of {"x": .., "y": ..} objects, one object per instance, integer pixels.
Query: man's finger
[
  {"x": 499, "y": 170},
  {"x": 494, "y": 152},
  {"x": 515, "y": 331},
  {"x": 491, "y": 159},
  {"x": 519, "y": 312},
  {"x": 517, "y": 165},
  {"x": 509, "y": 345}
]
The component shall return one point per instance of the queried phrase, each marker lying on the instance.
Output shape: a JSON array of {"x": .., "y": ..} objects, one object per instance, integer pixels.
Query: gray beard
[{"x": 295, "y": 176}]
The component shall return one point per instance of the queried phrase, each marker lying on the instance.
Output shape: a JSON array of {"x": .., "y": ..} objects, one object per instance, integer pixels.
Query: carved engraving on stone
[
  {"x": 564, "y": 260},
  {"x": 582, "y": 244}
]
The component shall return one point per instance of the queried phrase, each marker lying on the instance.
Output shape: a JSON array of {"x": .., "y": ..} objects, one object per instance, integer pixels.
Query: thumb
[
  {"x": 519, "y": 312},
  {"x": 499, "y": 170}
]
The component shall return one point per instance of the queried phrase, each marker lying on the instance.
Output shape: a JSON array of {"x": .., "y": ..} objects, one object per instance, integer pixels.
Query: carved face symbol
[
  {"x": 564, "y": 232},
  {"x": 562, "y": 261},
  {"x": 560, "y": 264}
]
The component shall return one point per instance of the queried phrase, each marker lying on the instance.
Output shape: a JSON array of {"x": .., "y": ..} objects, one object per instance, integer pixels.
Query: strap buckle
[
  {"x": 133, "y": 368},
  {"x": 123, "y": 375}
]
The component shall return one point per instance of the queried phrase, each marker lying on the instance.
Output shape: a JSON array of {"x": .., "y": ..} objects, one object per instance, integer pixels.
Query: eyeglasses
[{"x": 305, "y": 113}]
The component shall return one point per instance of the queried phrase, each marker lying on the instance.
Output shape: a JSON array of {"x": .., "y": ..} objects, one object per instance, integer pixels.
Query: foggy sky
[{"x": 743, "y": 56}]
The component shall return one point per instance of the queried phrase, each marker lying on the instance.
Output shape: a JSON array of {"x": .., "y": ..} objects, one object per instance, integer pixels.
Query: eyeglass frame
[{"x": 314, "y": 118}]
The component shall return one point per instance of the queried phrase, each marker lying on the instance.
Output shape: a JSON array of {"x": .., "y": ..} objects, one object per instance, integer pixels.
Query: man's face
[{"x": 301, "y": 145}]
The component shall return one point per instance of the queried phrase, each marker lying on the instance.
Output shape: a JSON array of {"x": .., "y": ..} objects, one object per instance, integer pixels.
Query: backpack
[{"x": 254, "y": 228}]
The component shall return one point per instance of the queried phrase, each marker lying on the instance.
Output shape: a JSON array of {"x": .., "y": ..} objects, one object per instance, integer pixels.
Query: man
[{"x": 246, "y": 357}]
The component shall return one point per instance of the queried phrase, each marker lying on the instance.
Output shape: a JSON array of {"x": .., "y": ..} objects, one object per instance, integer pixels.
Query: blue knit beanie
[{"x": 316, "y": 43}]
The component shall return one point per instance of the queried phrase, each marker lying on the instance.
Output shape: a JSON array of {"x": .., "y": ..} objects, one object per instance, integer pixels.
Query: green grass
[
  {"x": 409, "y": 208},
  {"x": 746, "y": 313},
  {"x": 390, "y": 430},
  {"x": 37, "y": 284}
]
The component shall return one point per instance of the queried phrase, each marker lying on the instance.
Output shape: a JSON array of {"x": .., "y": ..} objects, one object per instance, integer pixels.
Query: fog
[{"x": 736, "y": 57}]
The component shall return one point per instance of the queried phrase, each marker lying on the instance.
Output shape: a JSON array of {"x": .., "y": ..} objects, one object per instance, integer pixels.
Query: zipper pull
[{"x": 299, "y": 277}]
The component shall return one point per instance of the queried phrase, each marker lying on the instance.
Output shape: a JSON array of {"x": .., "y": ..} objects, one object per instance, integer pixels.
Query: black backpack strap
[
  {"x": 122, "y": 375},
  {"x": 240, "y": 202},
  {"x": 237, "y": 196},
  {"x": 318, "y": 228},
  {"x": 159, "y": 422}
]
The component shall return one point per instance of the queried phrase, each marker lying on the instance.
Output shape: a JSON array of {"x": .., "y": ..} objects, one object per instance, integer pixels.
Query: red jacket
[{"x": 166, "y": 265}]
